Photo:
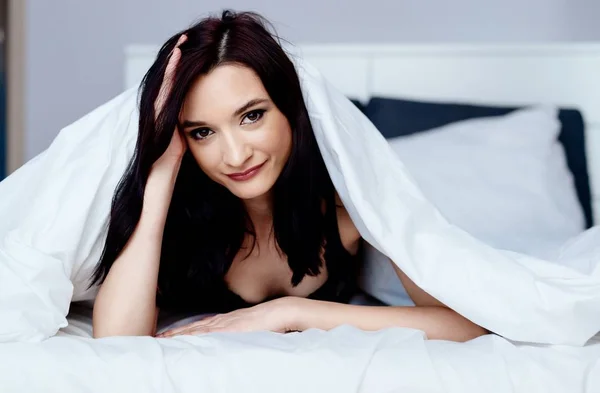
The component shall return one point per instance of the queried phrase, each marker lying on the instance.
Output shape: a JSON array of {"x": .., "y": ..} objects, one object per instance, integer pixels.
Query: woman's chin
[{"x": 249, "y": 191}]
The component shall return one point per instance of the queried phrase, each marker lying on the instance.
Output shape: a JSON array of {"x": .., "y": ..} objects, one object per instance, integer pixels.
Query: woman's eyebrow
[
  {"x": 191, "y": 123},
  {"x": 248, "y": 105},
  {"x": 198, "y": 123}
]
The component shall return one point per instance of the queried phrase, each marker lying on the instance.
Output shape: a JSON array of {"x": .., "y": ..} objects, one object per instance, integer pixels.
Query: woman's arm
[
  {"x": 438, "y": 323},
  {"x": 429, "y": 315},
  {"x": 298, "y": 314},
  {"x": 126, "y": 302}
]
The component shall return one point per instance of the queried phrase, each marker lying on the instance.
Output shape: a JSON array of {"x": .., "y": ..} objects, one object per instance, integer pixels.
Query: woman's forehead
[{"x": 226, "y": 88}]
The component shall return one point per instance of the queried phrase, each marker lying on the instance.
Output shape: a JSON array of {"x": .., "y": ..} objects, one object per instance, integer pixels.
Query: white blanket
[
  {"x": 341, "y": 360},
  {"x": 54, "y": 214}
]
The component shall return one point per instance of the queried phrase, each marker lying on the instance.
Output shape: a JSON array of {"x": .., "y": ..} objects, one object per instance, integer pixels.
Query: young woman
[{"x": 227, "y": 206}]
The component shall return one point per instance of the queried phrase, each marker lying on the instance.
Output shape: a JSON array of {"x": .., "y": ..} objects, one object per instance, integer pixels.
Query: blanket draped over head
[{"x": 54, "y": 214}]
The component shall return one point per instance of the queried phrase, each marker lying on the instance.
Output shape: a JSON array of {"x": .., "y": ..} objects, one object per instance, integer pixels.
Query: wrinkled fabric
[
  {"x": 342, "y": 360},
  {"x": 55, "y": 213}
]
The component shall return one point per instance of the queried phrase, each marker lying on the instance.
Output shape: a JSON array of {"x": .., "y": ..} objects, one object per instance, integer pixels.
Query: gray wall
[{"x": 75, "y": 48}]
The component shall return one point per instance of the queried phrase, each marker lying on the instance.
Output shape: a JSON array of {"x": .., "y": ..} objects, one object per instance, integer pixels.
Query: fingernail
[{"x": 181, "y": 39}]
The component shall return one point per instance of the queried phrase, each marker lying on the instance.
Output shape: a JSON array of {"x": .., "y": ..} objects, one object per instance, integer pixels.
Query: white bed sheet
[{"x": 341, "y": 360}]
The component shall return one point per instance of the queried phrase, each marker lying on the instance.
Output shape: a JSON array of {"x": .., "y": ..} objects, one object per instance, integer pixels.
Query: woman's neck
[{"x": 260, "y": 212}]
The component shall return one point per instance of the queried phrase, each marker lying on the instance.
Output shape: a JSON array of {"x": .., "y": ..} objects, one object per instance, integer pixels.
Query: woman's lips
[{"x": 247, "y": 174}]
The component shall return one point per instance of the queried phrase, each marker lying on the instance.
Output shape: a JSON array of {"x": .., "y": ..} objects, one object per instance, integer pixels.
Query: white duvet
[
  {"x": 342, "y": 360},
  {"x": 54, "y": 214}
]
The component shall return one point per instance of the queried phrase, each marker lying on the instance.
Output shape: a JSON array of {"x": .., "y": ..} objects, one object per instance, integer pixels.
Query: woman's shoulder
[{"x": 349, "y": 235}]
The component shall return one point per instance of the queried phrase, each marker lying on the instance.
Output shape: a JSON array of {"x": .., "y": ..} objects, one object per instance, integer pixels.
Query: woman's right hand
[{"x": 171, "y": 158}]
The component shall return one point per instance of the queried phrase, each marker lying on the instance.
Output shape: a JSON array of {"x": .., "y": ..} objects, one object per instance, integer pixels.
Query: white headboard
[{"x": 561, "y": 74}]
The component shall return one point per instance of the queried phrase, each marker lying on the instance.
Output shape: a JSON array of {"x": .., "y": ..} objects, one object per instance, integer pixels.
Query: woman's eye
[
  {"x": 253, "y": 117},
  {"x": 201, "y": 133}
]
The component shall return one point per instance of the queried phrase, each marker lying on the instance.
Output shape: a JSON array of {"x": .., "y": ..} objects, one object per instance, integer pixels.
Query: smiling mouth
[{"x": 247, "y": 174}]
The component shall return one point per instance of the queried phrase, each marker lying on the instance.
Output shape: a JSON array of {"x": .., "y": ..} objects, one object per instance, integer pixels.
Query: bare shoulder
[{"x": 349, "y": 235}]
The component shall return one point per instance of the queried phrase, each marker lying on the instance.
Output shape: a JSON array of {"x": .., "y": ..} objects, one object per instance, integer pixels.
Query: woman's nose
[{"x": 235, "y": 151}]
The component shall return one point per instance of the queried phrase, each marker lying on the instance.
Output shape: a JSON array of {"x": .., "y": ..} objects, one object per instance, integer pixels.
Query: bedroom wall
[
  {"x": 3, "y": 119},
  {"x": 75, "y": 48}
]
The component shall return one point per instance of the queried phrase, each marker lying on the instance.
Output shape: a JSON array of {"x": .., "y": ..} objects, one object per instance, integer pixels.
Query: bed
[{"x": 419, "y": 78}]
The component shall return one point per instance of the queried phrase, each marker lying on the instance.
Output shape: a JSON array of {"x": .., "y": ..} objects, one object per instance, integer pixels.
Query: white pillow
[{"x": 503, "y": 179}]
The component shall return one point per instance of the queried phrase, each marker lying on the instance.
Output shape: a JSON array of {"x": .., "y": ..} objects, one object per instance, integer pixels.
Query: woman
[{"x": 227, "y": 206}]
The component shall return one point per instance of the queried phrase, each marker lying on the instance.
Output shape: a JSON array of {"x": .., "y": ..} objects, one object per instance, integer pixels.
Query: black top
[
  {"x": 342, "y": 268},
  {"x": 341, "y": 285}
]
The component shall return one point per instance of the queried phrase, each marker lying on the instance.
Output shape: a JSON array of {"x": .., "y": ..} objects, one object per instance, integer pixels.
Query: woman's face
[{"x": 237, "y": 135}]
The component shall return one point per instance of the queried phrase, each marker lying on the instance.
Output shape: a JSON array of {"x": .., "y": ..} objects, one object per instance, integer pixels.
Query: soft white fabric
[
  {"x": 503, "y": 179},
  {"x": 54, "y": 211},
  {"x": 520, "y": 297},
  {"x": 54, "y": 224},
  {"x": 342, "y": 360}
]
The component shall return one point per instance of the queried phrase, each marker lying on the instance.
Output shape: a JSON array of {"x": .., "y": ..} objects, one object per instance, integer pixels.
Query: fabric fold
[{"x": 56, "y": 210}]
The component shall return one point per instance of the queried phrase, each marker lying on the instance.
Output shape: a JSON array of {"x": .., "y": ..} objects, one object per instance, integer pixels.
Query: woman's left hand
[{"x": 276, "y": 315}]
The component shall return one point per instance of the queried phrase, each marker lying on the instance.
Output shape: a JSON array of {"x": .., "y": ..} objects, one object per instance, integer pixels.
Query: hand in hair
[
  {"x": 171, "y": 158},
  {"x": 126, "y": 301}
]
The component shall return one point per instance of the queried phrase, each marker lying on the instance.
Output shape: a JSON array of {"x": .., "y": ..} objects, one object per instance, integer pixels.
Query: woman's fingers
[
  {"x": 189, "y": 331},
  {"x": 202, "y": 324},
  {"x": 179, "y": 330},
  {"x": 169, "y": 76},
  {"x": 181, "y": 40}
]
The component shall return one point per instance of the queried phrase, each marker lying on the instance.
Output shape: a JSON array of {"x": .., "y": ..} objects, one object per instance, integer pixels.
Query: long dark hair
[{"x": 206, "y": 224}]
